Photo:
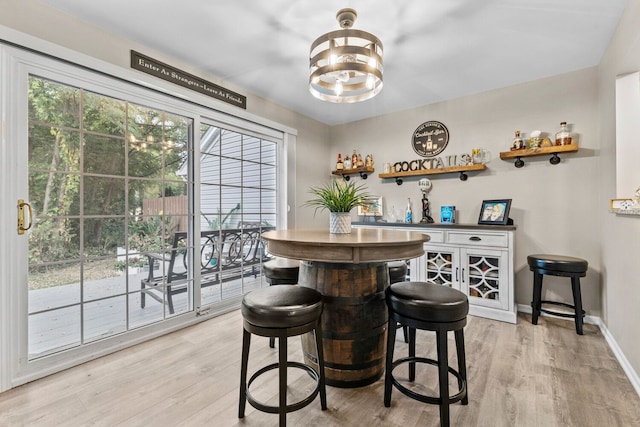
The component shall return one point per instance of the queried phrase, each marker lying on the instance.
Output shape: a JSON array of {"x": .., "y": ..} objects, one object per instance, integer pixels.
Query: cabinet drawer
[
  {"x": 435, "y": 236},
  {"x": 467, "y": 238}
]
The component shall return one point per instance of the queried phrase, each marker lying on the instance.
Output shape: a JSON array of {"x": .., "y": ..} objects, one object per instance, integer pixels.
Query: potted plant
[{"x": 338, "y": 197}]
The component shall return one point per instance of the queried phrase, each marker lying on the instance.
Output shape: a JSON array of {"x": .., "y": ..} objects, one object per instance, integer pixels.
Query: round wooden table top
[{"x": 361, "y": 245}]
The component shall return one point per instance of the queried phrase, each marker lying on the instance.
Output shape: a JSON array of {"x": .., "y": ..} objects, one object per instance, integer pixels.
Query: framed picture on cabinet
[
  {"x": 373, "y": 207},
  {"x": 495, "y": 212}
]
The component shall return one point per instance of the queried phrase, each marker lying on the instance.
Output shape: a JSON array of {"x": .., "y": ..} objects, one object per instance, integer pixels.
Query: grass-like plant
[{"x": 338, "y": 196}]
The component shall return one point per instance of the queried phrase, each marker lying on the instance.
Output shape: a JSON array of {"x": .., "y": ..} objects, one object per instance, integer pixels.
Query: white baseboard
[{"x": 613, "y": 345}]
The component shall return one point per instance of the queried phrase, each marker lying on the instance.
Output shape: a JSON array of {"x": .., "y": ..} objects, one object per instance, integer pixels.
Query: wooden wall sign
[
  {"x": 171, "y": 74},
  {"x": 430, "y": 139}
]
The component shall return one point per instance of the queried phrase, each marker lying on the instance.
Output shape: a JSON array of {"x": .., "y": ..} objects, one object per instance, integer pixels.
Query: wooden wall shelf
[
  {"x": 346, "y": 173},
  {"x": 454, "y": 169},
  {"x": 530, "y": 152}
]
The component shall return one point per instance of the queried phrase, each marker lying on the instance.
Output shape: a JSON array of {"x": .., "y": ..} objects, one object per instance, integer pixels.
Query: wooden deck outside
[{"x": 111, "y": 312}]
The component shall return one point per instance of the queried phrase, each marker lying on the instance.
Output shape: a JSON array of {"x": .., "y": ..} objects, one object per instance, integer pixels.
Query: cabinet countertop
[{"x": 435, "y": 225}]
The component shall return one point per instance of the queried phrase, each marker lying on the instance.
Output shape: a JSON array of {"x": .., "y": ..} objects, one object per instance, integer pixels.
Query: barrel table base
[{"x": 354, "y": 320}]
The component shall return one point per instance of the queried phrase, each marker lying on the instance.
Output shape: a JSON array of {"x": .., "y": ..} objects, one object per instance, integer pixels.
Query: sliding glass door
[
  {"x": 142, "y": 212},
  {"x": 106, "y": 198}
]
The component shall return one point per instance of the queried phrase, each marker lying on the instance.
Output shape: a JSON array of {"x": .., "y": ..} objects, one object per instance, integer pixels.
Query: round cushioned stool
[
  {"x": 281, "y": 271},
  {"x": 281, "y": 311},
  {"x": 430, "y": 307},
  {"x": 557, "y": 265},
  {"x": 398, "y": 273}
]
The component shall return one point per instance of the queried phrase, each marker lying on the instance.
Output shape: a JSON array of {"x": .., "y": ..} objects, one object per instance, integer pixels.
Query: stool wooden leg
[
  {"x": 443, "y": 376},
  {"x": 246, "y": 342},
  {"x": 537, "y": 297},
  {"x": 388, "y": 381},
  {"x": 462, "y": 363},
  {"x": 320, "y": 353},
  {"x": 282, "y": 368},
  {"x": 577, "y": 302},
  {"x": 412, "y": 353}
]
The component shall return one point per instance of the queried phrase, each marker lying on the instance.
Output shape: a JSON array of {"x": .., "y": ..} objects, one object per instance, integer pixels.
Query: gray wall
[
  {"x": 555, "y": 208},
  {"x": 619, "y": 235}
]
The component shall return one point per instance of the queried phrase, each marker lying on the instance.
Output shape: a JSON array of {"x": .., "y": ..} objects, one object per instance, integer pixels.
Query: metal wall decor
[{"x": 430, "y": 138}]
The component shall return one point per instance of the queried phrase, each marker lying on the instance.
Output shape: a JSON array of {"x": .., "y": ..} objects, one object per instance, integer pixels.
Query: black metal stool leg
[
  {"x": 537, "y": 297},
  {"x": 320, "y": 354},
  {"x": 577, "y": 302},
  {"x": 246, "y": 342},
  {"x": 405, "y": 331},
  {"x": 272, "y": 342},
  {"x": 462, "y": 363},
  {"x": 412, "y": 353},
  {"x": 282, "y": 367},
  {"x": 443, "y": 377},
  {"x": 388, "y": 380}
]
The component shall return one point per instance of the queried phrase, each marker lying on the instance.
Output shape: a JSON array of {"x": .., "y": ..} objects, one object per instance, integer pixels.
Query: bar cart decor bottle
[{"x": 563, "y": 137}]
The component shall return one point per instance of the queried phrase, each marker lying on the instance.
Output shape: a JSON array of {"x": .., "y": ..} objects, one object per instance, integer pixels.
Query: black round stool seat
[
  {"x": 281, "y": 306},
  {"x": 282, "y": 311},
  {"x": 429, "y": 307},
  {"x": 397, "y": 271},
  {"x": 558, "y": 264},
  {"x": 427, "y": 302},
  {"x": 281, "y": 271}
]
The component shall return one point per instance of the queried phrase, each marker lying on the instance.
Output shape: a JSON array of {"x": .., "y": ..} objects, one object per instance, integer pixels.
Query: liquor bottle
[
  {"x": 339, "y": 164},
  {"x": 408, "y": 217},
  {"x": 360, "y": 162},
  {"x": 518, "y": 142},
  {"x": 354, "y": 160},
  {"x": 347, "y": 161},
  {"x": 563, "y": 137}
]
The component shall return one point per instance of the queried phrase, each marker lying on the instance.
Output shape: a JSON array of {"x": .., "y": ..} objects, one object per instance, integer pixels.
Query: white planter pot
[{"x": 340, "y": 222}]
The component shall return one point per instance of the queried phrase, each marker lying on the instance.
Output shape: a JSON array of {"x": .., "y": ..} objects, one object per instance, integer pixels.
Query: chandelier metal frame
[{"x": 346, "y": 66}]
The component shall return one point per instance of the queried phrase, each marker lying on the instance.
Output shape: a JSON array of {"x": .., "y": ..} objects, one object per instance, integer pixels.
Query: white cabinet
[{"x": 477, "y": 260}]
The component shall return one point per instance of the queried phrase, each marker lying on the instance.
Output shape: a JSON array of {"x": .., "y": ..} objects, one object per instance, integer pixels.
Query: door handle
[
  {"x": 456, "y": 274},
  {"x": 475, "y": 238},
  {"x": 21, "y": 210}
]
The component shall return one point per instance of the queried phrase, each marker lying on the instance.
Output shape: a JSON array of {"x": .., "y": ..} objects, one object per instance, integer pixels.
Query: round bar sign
[{"x": 430, "y": 139}]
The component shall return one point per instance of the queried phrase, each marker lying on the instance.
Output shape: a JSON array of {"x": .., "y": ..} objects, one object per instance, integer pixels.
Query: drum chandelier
[{"x": 345, "y": 66}]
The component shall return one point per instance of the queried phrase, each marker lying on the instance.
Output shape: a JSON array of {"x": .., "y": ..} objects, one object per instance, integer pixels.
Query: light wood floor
[{"x": 519, "y": 375}]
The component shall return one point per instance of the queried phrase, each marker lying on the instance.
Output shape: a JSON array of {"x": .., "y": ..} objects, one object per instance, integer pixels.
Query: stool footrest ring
[
  {"x": 421, "y": 397},
  {"x": 558, "y": 313},
  {"x": 291, "y": 407}
]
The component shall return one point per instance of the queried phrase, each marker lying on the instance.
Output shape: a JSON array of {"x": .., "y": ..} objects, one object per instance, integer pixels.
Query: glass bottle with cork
[
  {"x": 339, "y": 164},
  {"x": 564, "y": 136},
  {"x": 354, "y": 160},
  {"x": 518, "y": 142}
]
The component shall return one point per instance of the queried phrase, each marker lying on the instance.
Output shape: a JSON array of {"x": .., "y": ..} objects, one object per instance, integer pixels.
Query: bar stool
[
  {"x": 281, "y": 311},
  {"x": 430, "y": 307},
  {"x": 398, "y": 273},
  {"x": 557, "y": 265},
  {"x": 281, "y": 271}
]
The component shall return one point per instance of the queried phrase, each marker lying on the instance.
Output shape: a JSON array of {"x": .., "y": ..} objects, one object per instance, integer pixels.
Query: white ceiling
[{"x": 434, "y": 50}]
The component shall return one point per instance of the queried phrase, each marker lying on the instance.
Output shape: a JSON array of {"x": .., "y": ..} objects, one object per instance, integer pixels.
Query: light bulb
[
  {"x": 370, "y": 81},
  {"x": 338, "y": 88}
]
